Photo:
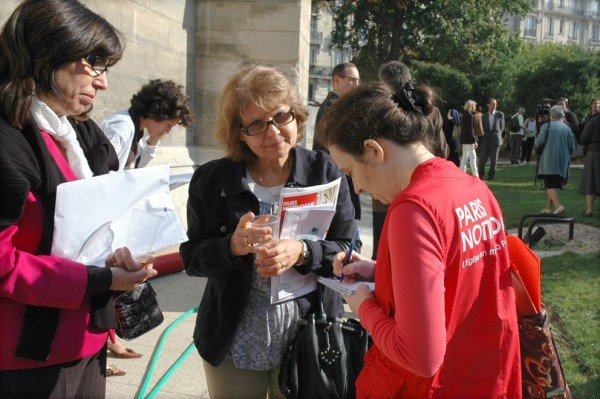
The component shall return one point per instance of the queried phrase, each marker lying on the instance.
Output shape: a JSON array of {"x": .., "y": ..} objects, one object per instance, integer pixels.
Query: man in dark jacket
[
  {"x": 570, "y": 117},
  {"x": 345, "y": 77},
  {"x": 490, "y": 142}
]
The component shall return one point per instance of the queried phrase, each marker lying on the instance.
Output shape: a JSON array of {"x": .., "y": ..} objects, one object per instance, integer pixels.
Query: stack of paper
[
  {"x": 306, "y": 213},
  {"x": 343, "y": 287}
]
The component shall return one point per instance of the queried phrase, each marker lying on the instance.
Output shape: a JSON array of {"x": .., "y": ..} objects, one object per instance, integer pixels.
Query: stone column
[{"x": 230, "y": 34}]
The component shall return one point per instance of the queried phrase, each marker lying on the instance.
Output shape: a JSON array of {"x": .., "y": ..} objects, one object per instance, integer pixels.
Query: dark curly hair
[{"x": 160, "y": 100}]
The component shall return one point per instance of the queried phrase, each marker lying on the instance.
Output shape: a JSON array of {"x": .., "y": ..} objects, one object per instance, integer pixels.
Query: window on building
[
  {"x": 338, "y": 57},
  {"x": 550, "y": 26},
  {"x": 574, "y": 29},
  {"x": 596, "y": 33},
  {"x": 534, "y": 4},
  {"x": 313, "y": 56},
  {"x": 313, "y": 25},
  {"x": 549, "y": 4},
  {"x": 561, "y": 26},
  {"x": 530, "y": 26}
]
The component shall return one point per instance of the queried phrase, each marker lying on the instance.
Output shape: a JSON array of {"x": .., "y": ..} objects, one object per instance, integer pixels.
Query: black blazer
[
  {"x": 467, "y": 128},
  {"x": 493, "y": 134},
  {"x": 218, "y": 197}
]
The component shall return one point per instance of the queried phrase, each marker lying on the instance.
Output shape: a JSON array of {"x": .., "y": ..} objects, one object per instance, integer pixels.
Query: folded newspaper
[{"x": 306, "y": 214}]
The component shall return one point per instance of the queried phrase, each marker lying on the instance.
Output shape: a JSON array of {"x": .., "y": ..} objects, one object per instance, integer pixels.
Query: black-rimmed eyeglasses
[
  {"x": 96, "y": 63},
  {"x": 259, "y": 127}
]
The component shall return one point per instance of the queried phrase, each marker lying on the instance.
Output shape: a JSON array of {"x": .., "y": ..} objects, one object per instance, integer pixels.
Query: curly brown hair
[
  {"x": 261, "y": 85},
  {"x": 162, "y": 100}
]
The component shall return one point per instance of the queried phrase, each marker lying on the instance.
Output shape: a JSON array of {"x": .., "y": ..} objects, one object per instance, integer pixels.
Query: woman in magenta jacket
[
  {"x": 55, "y": 313},
  {"x": 442, "y": 315}
]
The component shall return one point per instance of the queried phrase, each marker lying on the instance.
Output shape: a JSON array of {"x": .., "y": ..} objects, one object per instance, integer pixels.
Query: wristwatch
[{"x": 305, "y": 254}]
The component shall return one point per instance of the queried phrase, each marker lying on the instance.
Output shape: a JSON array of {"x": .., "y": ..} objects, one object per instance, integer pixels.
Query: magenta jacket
[{"x": 27, "y": 278}]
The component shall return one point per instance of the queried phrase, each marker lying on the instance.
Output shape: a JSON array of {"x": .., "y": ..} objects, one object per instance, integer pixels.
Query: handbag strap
[{"x": 320, "y": 316}]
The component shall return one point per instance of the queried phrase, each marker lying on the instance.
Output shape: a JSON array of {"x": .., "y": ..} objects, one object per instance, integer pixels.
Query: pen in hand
[{"x": 350, "y": 250}]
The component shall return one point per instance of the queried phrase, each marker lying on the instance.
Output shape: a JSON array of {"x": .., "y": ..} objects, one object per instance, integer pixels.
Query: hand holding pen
[{"x": 348, "y": 257}]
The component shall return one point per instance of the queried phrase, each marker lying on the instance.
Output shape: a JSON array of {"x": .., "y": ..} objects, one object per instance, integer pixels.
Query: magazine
[{"x": 305, "y": 214}]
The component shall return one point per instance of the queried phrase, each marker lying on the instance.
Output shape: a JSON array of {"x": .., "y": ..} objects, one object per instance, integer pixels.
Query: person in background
[
  {"x": 590, "y": 181},
  {"x": 594, "y": 110},
  {"x": 559, "y": 144},
  {"x": 55, "y": 313},
  {"x": 135, "y": 133},
  {"x": 397, "y": 75},
  {"x": 478, "y": 116},
  {"x": 239, "y": 334},
  {"x": 570, "y": 117},
  {"x": 490, "y": 142},
  {"x": 467, "y": 138},
  {"x": 344, "y": 78},
  {"x": 516, "y": 138},
  {"x": 425, "y": 345},
  {"x": 452, "y": 123},
  {"x": 530, "y": 130}
]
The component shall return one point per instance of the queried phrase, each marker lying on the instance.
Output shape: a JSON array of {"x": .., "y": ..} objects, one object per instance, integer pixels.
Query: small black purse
[
  {"x": 325, "y": 358},
  {"x": 137, "y": 312}
]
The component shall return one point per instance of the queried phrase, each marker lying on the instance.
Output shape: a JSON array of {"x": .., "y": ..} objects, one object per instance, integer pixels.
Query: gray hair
[{"x": 557, "y": 112}]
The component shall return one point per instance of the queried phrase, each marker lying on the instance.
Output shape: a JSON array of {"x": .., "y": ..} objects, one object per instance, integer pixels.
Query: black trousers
[
  {"x": 487, "y": 151},
  {"x": 526, "y": 149},
  {"x": 84, "y": 378}
]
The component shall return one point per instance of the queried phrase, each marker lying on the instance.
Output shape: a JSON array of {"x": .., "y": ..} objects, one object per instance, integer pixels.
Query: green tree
[
  {"x": 468, "y": 34},
  {"x": 551, "y": 70},
  {"x": 453, "y": 87}
]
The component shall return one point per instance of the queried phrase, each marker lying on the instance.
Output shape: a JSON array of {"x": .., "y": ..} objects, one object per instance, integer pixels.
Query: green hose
[{"x": 156, "y": 354}]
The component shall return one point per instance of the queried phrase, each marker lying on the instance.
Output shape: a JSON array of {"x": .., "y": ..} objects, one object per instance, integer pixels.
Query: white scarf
[{"x": 62, "y": 131}]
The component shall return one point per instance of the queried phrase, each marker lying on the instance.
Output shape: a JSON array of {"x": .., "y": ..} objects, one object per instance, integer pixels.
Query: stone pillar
[{"x": 230, "y": 34}]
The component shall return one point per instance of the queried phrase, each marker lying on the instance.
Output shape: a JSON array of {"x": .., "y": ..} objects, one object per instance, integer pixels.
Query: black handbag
[
  {"x": 325, "y": 358},
  {"x": 137, "y": 312}
]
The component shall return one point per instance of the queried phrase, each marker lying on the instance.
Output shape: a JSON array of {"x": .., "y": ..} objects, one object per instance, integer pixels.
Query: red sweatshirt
[{"x": 443, "y": 319}]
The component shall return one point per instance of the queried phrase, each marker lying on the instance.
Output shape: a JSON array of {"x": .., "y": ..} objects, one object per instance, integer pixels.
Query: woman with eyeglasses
[
  {"x": 239, "y": 334},
  {"x": 442, "y": 316},
  {"x": 55, "y": 313},
  {"x": 155, "y": 109}
]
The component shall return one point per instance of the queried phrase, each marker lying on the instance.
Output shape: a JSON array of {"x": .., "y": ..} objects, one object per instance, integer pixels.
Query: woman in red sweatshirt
[{"x": 442, "y": 316}]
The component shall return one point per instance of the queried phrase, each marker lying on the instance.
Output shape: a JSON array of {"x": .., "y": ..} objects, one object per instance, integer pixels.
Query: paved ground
[{"x": 177, "y": 293}]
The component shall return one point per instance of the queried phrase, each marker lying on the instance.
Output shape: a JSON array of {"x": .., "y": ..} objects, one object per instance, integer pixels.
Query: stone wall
[{"x": 233, "y": 33}]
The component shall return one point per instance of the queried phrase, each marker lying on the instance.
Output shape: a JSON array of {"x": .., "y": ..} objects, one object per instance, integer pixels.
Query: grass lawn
[
  {"x": 570, "y": 289},
  {"x": 570, "y": 282},
  {"x": 513, "y": 187}
]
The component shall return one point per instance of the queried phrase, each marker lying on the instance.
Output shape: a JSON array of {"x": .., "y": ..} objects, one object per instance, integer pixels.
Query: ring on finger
[
  {"x": 246, "y": 241},
  {"x": 281, "y": 264}
]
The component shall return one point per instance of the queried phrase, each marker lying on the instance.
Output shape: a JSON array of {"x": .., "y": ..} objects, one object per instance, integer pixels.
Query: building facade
[
  {"x": 561, "y": 21},
  {"x": 323, "y": 56}
]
